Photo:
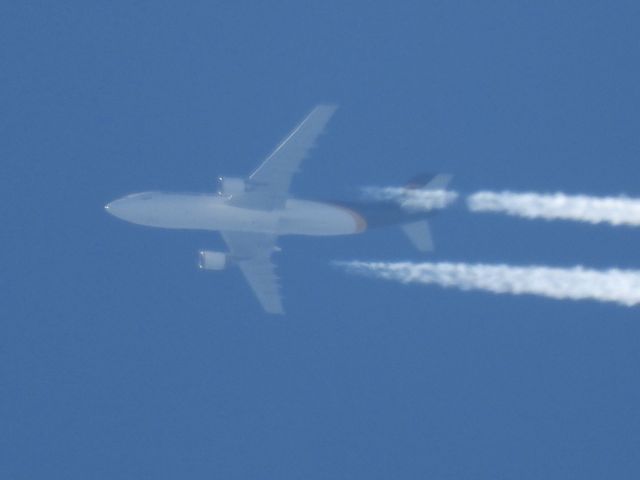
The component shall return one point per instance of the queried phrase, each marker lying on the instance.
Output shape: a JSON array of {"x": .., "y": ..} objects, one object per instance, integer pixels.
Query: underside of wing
[
  {"x": 252, "y": 253},
  {"x": 267, "y": 188}
]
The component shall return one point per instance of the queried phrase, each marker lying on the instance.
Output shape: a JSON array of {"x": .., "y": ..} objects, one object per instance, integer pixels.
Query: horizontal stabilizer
[
  {"x": 427, "y": 181},
  {"x": 439, "y": 182},
  {"x": 419, "y": 234}
]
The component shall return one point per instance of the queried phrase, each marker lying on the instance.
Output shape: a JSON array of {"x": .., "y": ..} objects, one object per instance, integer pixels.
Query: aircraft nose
[
  {"x": 114, "y": 208},
  {"x": 130, "y": 208}
]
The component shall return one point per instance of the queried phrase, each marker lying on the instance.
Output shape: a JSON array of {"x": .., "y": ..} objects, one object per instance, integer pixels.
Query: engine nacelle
[
  {"x": 230, "y": 187},
  {"x": 208, "y": 260}
]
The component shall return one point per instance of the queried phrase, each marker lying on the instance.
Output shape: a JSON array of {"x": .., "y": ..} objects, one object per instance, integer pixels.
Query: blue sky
[{"x": 118, "y": 359}]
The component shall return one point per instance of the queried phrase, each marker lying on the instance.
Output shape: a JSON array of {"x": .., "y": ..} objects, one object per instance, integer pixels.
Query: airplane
[{"x": 251, "y": 213}]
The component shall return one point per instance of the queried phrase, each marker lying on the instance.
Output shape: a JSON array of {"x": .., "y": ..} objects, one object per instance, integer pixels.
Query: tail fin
[{"x": 419, "y": 234}]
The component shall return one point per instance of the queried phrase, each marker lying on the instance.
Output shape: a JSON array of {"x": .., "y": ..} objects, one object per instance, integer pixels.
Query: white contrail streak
[
  {"x": 577, "y": 283},
  {"x": 582, "y": 208},
  {"x": 416, "y": 199}
]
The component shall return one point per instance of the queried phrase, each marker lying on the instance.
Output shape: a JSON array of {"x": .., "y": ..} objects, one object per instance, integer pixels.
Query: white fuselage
[{"x": 215, "y": 212}]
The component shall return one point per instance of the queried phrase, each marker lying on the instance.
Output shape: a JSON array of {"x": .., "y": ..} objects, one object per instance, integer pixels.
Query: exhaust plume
[
  {"x": 558, "y": 206},
  {"x": 577, "y": 283}
]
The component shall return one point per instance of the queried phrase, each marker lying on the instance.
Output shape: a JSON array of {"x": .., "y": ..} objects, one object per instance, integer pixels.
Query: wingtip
[
  {"x": 279, "y": 312},
  {"x": 328, "y": 107}
]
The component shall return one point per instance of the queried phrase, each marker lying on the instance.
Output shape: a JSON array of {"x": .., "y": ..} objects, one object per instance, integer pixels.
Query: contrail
[
  {"x": 616, "y": 211},
  {"x": 577, "y": 283},
  {"x": 416, "y": 199},
  {"x": 582, "y": 208}
]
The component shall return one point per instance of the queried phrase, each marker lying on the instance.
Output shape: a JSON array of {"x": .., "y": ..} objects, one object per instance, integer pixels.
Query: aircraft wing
[
  {"x": 267, "y": 188},
  {"x": 252, "y": 253}
]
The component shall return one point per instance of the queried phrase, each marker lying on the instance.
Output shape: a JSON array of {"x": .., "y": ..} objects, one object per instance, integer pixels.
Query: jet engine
[
  {"x": 230, "y": 187},
  {"x": 208, "y": 260}
]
